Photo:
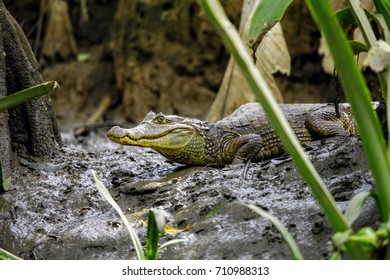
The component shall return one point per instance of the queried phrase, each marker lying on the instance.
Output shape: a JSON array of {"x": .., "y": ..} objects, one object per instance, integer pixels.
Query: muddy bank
[{"x": 55, "y": 212}]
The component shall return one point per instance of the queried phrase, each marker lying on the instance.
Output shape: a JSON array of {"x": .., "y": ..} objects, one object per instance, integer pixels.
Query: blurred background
[{"x": 119, "y": 59}]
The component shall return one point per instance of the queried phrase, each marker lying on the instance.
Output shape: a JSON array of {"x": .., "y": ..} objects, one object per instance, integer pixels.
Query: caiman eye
[{"x": 160, "y": 119}]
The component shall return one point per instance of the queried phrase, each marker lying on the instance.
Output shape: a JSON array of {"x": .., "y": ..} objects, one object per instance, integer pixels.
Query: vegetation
[
  {"x": 4, "y": 183},
  {"x": 23, "y": 96},
  {"x": 156, "y": 223},
  {"x": 18, "y": 98},
  {"x": 5, "y": 255},
  {"x": 367, "y": 243},
  {"x": 9, "y": 102}
]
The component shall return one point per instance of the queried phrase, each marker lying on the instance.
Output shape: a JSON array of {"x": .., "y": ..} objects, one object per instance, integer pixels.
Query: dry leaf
[{"x": 173, "y": 231}]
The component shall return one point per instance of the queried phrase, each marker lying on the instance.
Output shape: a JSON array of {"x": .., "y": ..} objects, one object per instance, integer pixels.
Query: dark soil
[{"x": 54, "y": 211}]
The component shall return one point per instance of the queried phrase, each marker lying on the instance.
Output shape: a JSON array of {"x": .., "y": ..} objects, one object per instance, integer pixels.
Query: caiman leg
[
  {"x": 249, "y": 145},
  {"x": 320, "y": 124}
]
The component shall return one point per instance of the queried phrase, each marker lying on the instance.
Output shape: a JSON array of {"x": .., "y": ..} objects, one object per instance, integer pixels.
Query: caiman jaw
[{"x": 174, "y": 138}]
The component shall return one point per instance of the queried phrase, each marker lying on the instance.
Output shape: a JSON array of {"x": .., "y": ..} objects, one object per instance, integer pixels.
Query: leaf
[
  {"x": 215, "y": 210},
  {"x": 4, "y": 184},
  {"x": 347, "y": 21},
  {"x": 83, "y": 57},
  {"x": 383, "y": 7},
  {"x": 358, "y": 47},
  {"x": 335, "y": 256},
  {"x": 173, "y": 231},
  {"x": 172, "y": 242},
  {"x": 340, "y": 238},
  {"x": 366, "y": 235},
  {"x": 266, "y": 15},
  {"x": 378, "y": 58},
  {"x": 5, "y": 255},
  {"x": 1, "y": 178},
  {"x": 355, "y": 206},
  {"x": 134, "y": 238},
  {"x": 156, "y": 223},
  {"x": 23, "y": 96},
  {"x": 1, "y": 172},
  {"x": 292, "y": 245},
  {"x": 7, "y": 184}
]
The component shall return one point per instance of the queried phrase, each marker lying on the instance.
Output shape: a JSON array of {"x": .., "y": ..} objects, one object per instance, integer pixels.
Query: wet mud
[{"x": 54, "y": 211}]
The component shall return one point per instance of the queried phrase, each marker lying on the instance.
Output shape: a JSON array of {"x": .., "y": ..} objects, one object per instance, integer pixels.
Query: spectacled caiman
[{"x": 244, "y": 135}]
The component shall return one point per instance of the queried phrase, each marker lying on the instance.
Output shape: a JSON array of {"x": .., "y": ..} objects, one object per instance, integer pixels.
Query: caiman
[{"x": 243, "y": 136}]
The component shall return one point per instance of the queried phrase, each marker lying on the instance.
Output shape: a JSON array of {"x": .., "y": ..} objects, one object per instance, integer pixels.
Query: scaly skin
[{"x": 244, "y": 135}]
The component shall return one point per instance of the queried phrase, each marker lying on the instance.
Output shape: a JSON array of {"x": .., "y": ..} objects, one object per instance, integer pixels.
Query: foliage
[
  {"x": 292, "y": 245},
  {"x": 4, "y": 184},
  {"x": 5, "y": 255},
  {"x": 358, "y": 95},
  {"x": 23, "y": 96},
  {"x": 266, "y": 15},
  {"x": 9, "y": 102},
  {"x": 156, "y": 223},
  {"x": 17, "y": 99}
]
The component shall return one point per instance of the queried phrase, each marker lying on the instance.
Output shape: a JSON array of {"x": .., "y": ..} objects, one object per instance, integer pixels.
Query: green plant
[
  {"x": 354, "y": 87},
  {"x": 9, "y": 102},
  {"x": 292, "y": 245},
  {"x": 5, "y": 255},
  {"x": 25, "y": 95},
  {"x": 156, "y": 223},
  {"x": 18, "y": 98},
  {"x": 5, "y": 184},
  {"x": 358, "y": 95}
]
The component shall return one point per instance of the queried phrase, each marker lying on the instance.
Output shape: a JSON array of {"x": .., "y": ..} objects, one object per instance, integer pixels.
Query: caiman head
[{"x": 178, "y": 139}]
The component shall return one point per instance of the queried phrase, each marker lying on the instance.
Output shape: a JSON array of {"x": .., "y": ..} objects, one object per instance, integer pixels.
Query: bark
[
  {"x": 59, "y": 39},
  {"x": 29, "y": 129}
]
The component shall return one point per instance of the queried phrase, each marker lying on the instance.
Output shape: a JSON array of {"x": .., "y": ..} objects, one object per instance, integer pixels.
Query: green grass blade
[
  {"x": 5, "y": 184},
  {"x": 363, "y": 22},
  {"x": 346, "y": 21},
  {"x": 173, "y": 242},
  {"x": 266, "y": 15},
  {"x": 358, "y": 47},
  {"x": 134, "y": 238},
  {"x": 355, "y": 206},
  {"x": 383, "y": 7},
  {"x": 1, "y": 173},
  {"x": 388, "y": 105},
  {"x": 156, "y": 223},
  {"x": 5, "y": 255},
  {"x": 359, "y": 97},
  {"x": 292, "y": 245},
  {"x": 368, "y": 34},
  {"x": 26, "y": 95}
]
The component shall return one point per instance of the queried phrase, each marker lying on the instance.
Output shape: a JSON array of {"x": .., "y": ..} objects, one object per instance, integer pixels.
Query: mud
[{"x": 54, "y": 211}]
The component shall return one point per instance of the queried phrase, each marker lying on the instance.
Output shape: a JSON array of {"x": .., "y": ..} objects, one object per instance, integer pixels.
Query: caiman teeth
[
  {"x": 113, "y": 135},
  {"x": 144, "y": 137}
]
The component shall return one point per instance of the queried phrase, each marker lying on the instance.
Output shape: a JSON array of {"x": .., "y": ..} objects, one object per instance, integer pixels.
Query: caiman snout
[{"x": 116, "y": 131}]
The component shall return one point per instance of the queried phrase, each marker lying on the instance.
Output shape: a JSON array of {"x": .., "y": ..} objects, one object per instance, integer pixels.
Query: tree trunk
[{"x": 31, "y": 128}]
